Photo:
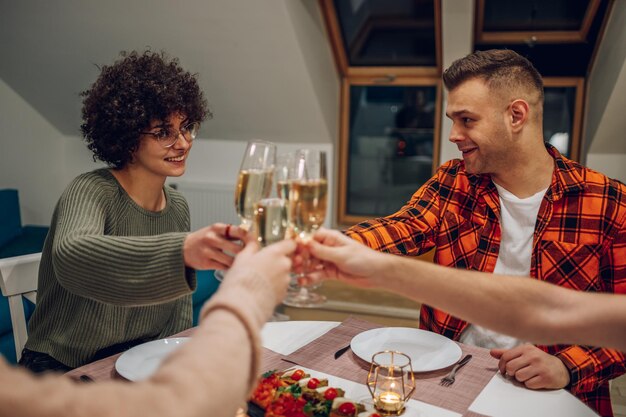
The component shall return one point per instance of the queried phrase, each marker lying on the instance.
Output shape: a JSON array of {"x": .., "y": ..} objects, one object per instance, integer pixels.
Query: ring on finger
[{"x": 227, "y": 232}]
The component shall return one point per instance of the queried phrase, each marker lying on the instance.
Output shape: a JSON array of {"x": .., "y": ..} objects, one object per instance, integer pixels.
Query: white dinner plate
[
  {"x": 428, "y": 351},
  {"x": 140, "y": 362}
]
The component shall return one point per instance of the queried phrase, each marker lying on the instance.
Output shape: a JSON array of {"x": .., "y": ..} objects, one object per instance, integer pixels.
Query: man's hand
[
  {"x": 338, "y": 257},
  {"x": 532, "y": 366}
]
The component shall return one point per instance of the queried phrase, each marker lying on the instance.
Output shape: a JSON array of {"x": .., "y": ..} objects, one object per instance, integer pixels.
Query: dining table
[{"x": 479, "y": 390}]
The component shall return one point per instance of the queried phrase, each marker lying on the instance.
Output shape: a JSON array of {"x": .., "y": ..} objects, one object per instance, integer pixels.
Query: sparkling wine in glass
[
  {"x": 254, "y": 181},
  {"x": 308, "y": 200},
  {"x": 270, "y": 220},
  {"x": 270, "y": 226},
  {"x": 283, "y": 174}
]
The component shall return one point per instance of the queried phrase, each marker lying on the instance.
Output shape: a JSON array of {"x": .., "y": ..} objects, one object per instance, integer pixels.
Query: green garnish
[{"x": 321, "y": 409}]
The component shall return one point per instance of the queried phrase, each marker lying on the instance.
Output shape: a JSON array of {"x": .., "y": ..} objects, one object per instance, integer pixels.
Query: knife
[{"x": 341, "y": 351}]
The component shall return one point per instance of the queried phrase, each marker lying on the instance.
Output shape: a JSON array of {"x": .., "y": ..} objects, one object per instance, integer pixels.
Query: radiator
[{"x": 208, "y": 202}]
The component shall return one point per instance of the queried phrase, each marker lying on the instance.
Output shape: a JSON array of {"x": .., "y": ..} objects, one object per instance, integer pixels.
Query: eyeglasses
[{"x": 167, "y": 137}]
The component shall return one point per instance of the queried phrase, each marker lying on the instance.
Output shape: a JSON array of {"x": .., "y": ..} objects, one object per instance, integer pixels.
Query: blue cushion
[
  {"x": 207, "y": 285},
  {"x": 31, "y": 240},
  {"x": 10, "y": 221}
]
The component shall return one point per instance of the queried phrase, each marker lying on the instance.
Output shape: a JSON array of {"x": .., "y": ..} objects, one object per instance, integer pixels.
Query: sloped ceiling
[
  {"x": 265, "y": 65},
  {"x": 253, "y": 58}
]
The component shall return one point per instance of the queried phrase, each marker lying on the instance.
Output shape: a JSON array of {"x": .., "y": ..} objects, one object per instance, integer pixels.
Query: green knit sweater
[{"x": 111, "y": 271}]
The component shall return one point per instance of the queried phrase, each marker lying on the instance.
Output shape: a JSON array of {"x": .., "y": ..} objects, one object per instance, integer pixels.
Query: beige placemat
[
  {"x": 271, "y": 360},
  {"x": 470, "y": 381}
]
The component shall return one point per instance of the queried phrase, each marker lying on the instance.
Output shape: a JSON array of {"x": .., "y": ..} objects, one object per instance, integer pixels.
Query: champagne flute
[
  {"x": 283, "y": 174},
  {"x": 270, "y": 226},
  {"x": 254, "y": 181},
  {"x": 270, "y": 220},
  {"x": 308, "y": 198}
]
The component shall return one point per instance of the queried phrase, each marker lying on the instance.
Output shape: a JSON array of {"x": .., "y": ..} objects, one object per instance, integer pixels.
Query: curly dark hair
[{"x": 128, "y": 95}]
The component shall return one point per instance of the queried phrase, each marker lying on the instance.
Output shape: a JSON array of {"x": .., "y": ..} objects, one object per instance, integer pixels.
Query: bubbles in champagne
[
  {"x": 270, "y": 220},
  {"x": 307, "y": 205},
  {"x": 252, "y": 186}
]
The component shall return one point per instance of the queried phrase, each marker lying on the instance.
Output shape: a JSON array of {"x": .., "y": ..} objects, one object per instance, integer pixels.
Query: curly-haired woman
[{"x": 117, "y": 267}]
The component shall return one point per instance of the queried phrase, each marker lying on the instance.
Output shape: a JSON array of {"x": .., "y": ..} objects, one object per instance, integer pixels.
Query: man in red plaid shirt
[{"x": 515, "y": 206}]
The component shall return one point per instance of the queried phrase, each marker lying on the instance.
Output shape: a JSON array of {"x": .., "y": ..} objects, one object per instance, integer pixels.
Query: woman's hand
[
  {"x": 270, "y": 265},
  {"x": 213, "y": 247}
]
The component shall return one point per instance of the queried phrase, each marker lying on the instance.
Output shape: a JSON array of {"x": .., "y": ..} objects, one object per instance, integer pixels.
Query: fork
[{"x": 448, "y": 380}]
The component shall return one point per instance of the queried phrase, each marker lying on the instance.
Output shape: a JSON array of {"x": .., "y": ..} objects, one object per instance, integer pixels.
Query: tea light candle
[{"x": 390, "y": 402}]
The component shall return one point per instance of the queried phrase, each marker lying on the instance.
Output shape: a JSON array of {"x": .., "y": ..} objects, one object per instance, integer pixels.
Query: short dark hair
[
  {"x": 128, "y": 95},
  {"x": 500, "y": 68}
]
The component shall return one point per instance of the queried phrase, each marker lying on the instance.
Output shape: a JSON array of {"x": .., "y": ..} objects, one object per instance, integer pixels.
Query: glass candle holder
[{"x": 391, "y": 382}]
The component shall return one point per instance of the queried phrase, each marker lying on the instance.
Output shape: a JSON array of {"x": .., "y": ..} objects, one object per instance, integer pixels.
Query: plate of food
[
  {"x": 428, "y": 351},
  {"x": 300, "y": 393},
  {"x": 140, "y": 362}
]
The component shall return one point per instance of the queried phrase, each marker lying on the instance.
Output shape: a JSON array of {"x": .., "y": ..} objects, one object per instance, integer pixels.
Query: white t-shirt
[{"x": 517, "y": 223}]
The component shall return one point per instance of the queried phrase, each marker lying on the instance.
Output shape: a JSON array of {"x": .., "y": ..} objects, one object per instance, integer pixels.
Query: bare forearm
[{"x": 522, "y": 307}]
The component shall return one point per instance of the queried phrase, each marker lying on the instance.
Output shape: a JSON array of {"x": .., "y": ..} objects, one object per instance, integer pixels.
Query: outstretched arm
[
  {"x": 210, "y": 375},
  {"x": 525, "y": 308}
]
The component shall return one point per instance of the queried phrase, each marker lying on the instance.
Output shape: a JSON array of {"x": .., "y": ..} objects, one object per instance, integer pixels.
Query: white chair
[{"x": 19, "y": 279}]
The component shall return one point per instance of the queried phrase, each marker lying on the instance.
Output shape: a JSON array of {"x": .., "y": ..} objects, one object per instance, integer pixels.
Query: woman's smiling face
[{"x": 151, "y": 155}]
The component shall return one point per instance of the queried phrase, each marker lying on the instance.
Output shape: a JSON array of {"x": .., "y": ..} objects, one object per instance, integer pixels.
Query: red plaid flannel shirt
[{"x": 579, "y": 242}]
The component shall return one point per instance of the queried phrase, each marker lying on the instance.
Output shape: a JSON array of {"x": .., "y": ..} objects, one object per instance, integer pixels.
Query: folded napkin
[{"x": 470, "y": 381}]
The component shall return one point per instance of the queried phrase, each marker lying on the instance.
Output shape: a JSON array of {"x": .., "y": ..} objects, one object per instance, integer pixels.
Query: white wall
[
  {"x": 32, "y": 158},
  {"x": 604, "y": 143},
  {"x": 611, "y": 165},
  {"x": 457, "y": 19},
  {"x": 603, "y": 132}
]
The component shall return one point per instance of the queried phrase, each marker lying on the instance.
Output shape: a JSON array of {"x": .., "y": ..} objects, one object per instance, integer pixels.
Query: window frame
[
  {"x": 579, "y": 84},
  {"x": 562, "y": 36},
  {"x": 392, "y": 76},
  {"x": 343, "y": 217},
  {"x": 341, "y": 58}
]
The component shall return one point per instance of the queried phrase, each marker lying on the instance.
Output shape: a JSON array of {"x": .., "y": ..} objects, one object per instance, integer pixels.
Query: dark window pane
[
  {"x": 535, "y": 15},
  {"x": 558, "y": 117},
  {"x": 391, "y": 146},
  {"x": 558, "y": 59},
  {"x": 388, "y": 33}
]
